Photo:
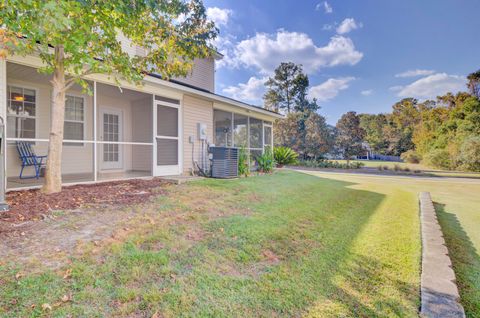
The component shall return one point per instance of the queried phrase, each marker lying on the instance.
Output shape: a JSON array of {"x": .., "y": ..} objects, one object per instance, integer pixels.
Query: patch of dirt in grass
[
  {"x": 177, "y": 210},
  {"x": 52, "y": 241},
  {"x": 27, "y": 205},
  {"x": 85, "y": 216},
  {"x": 270, "y": 257}
]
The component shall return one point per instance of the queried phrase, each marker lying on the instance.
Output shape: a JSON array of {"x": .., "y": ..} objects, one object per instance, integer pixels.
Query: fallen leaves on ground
[{"x": 27, "y": 205}]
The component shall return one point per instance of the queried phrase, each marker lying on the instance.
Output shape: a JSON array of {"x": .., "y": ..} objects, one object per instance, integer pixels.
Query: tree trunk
[{"x": 53, "y": 172}]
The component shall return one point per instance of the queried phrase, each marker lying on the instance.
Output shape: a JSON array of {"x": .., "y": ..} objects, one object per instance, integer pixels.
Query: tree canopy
[
  {"x": 172, "y": 32},
  {"x": 349, "y": 135},
  {"x": 287, "y": 89}
]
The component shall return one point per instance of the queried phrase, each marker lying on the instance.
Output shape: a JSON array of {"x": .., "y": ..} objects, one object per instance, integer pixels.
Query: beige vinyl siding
[
  {"x": 127, "y": 45},
  {"x": 195, "y": 110},
  {"x": 75, "y": 159},
  {"x": 202, "y": 75}
]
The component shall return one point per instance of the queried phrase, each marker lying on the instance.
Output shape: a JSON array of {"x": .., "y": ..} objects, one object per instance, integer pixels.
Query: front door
[{"x": 111, "y": 131}]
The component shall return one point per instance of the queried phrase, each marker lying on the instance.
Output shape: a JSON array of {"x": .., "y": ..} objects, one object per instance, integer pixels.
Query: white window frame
[
  {"x": 31, "y": 117},
  {"x": 76, "y": 142}
]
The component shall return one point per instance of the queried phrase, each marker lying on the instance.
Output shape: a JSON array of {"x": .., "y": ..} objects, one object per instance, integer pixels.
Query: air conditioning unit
[{"x": 224, "y": 162}]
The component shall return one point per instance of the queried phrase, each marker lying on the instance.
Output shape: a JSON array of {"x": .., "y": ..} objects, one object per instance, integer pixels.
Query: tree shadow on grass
[
  {"x": 314, "y": 244},
  {"x": 465, "y": 260},
  {"x": 365, "y": 287}
]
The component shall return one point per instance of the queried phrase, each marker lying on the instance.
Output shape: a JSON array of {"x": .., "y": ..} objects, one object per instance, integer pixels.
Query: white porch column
[
  {"x": 3, "y": 120},
  {"x": 95, "y": 161},
  {"x": 154, "y": 136}
]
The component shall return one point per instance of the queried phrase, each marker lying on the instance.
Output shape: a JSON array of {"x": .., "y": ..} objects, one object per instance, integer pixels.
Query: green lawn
[
  {"x": 458, "y": 207},
  {"x": 288, "y": 244}
]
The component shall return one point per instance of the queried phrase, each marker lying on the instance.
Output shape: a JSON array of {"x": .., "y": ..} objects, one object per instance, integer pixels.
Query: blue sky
[{"x": 359, "y": 55}]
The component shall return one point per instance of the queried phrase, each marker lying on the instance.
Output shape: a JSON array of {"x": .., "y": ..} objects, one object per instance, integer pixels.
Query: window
[
  {"x": 21, "y": 112},
  {"x": 223, "y": 128},
  {"x": 73, "y": 128}
]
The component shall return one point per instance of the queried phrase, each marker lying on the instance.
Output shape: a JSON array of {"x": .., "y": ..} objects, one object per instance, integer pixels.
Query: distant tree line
[{"x": 443, "y": 133}]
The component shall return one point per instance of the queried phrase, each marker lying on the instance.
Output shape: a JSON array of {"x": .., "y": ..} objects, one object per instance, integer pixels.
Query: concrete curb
[{"x": 439, "y": 292}]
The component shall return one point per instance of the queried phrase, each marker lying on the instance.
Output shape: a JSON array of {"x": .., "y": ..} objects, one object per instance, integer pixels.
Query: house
[{"x": 132, "y": 132}]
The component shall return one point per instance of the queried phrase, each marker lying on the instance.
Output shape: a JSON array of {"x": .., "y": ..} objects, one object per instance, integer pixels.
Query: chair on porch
[{"x": 29, "y": 159}]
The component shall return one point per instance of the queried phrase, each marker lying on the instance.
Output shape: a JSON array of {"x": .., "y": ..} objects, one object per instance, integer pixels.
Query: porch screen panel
[
  {"x": 267, "y": 136},
  {"x": 223, "y": 128},
  {"x": 167, "y": 152},
  {"x": 256, "y": 133},
  {"x": 240, "y": 130},
  {"x": 167, "y": 135},
  {"x": 167, "y": 121},
  {"x": 21, "y": 112}
]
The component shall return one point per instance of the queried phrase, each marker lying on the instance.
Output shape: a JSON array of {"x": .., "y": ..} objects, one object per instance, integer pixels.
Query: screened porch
[
  {"x": 238, "y": 130},
  {"x": 108, "y": 134}
]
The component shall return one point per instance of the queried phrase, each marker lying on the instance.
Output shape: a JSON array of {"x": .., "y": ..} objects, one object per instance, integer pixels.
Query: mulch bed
[{"x": 26, "y": 205}]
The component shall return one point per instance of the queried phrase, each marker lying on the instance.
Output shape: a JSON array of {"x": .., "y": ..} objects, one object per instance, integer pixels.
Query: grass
[
  {"x": 457, "y": 203},
  {"x": 287, "y": 244}
]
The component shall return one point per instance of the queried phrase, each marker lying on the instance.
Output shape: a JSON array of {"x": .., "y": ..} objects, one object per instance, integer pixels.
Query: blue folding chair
[{"x": 29, "y": 159}]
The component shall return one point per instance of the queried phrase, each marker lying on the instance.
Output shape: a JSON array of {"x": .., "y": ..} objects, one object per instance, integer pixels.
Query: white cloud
[
  {"x": 415, "y": 73},
  {"x": 330, "y": 88},
  {"x": 226, "y": 46},
  {"x": 348, "y": 25},
  {"x": 326, "y": 7},
  {"x": 328, "y": 27},
  {"x": 396, "y": 88},
  {"x": 433, "y": 85},
  {"x": 266, "y": 51},
  {"x": 219, "y": 16},
  {"x": 367, "y": 92},
  {"x": 251, "y": 92}
]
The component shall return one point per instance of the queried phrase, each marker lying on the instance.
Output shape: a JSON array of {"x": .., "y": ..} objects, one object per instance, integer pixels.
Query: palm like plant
[{"x": 284, "y": 156}]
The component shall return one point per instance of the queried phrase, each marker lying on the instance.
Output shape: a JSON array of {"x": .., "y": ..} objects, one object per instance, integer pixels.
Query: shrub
[
  {"x": 265, "y": 161},
  {"x": 397, "y": 167},
  {"x": 386, "y": 168},
  {"x": 284, "y": 156},
  {"x": 411, "y": 156},
  {"x": 329, "y": 164},
  {"x": 470, "y": 153},
  {"x": 243, "y": 166},
  {"x": 438, "y": 158}
]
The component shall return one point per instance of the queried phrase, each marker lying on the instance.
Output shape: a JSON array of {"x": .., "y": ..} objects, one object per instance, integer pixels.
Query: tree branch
[{"x": 71, "y": 81}]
